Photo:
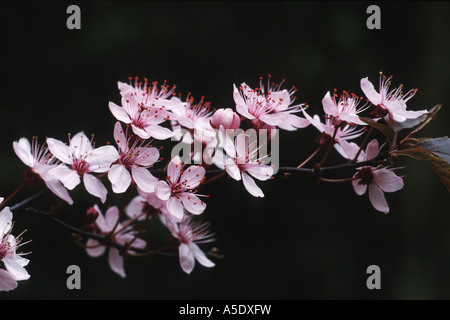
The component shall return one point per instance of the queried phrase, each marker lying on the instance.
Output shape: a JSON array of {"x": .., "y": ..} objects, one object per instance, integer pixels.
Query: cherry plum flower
[
  {"x": 343, "y": 110},
  {"x": 341, "y": 135},
  {"x": 271, "y": 106},
  {"x": 121, "y": 234},
  {"x": 83, "y": 159},
  {"x": 13, "y": 261},
  {"x": 242, "y": 163},
  {"x": 376, "y": 180},
  {"x": 189, "y": 234},
  {"x": 177, "y": 191},
  {"x": 134, "y": 157},
  {"x": 390, "y": 103},
  {"x": 145, "y": 205},
  {"x": 145, "y": 107},
  {"x": 226, "y": 118},
  {"x": 42, "y": 165}
]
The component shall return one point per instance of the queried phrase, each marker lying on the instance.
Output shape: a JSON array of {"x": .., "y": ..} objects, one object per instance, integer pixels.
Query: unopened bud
[
  {"x": 225, "y": 117},
  {"x": 91, "y": 216}
]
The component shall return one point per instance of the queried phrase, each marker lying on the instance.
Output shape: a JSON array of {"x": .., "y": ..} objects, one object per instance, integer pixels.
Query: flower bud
[
  {"x": 91, "y": 216},
  {"x": 225, "y": 117}
]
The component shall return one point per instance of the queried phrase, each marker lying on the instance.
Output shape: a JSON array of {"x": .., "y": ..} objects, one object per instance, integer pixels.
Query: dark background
[{"x": 301, "y": 241}]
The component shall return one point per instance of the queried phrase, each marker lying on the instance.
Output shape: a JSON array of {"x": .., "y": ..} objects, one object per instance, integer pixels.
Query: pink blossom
[
  {"x": 341, "y": 134},
  {"x": 121, "y": 234},
  {"x": 43, "y": 165},
  {"x": 145, "y": 108},
  {"x": 82, "y": 160},
  {"x": 13, "y": 261},
  {"x": 226, "y": 118},
  {"x": 134, "y": 157},
  {"x": 271, "y": 106},
  {"x": 189, "y": 235},
  {"x": 345, "y": 109},
  {"x": 177, "y": 191},
  {"x": 376, "y": 180},
  {"x": 242, "y": 163},
  {"x": 389, "y": 103},
  {"x": 145, "y": 205}
]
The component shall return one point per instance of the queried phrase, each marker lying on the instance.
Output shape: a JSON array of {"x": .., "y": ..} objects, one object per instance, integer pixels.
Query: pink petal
[
  {"x": 360, "y": 189},
  {"x": 192, "y": 203},
  {"x": 111, "y": 218},
  {"x": 15, "y": 266},
  {"x": 175, "y": 208},
  {"x": 372, "y": 149},
  {"x": 187, "y": 260},
  {"x": 94, "y": 248},
  {"x": 80, "y": 145},
  {"x": 241, "y": 106},
  {"x": 144, "y": 179},
  {"x": 259, "y": 171},
  {"x": 192, "y": 176},
  {"x": 147, "y": 156},
  {"x": 60, "y": 150},
  {"x": 329, "y": 106},
  {"x": 140, "y": 132},
  {"x": 22, "y": 148},
  {"x": 5, "y": 221},
  {"x": 234, "y": 171},
  {"x": 115, "y": 261},
  {"x": 7, "y": 281},
  {"x": 59, "y": 190},
  {"x": 251, "y": 186},
  {"x": 377, "y": 198},
  {"x": 174, "y": 169},
  {"x": 100, "y": 159},
  {"x": 370, "y": 92},
  {"x": 200, "y": 256},
  {"x": 162, "y": 190},
  {"x": 120, "y": 178},
  {"x": 135, "y": 207},
  {"x": 119, "y": 113},
  {"x": 95, "y": 187},
  {"x": 159, "y": 132},
  {"x": 387, "y": 180},
  {"x": 120, "y": 138},
  {"x": 68, "y": 177}
]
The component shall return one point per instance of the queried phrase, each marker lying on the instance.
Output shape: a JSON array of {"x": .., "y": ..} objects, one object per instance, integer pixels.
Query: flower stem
[
  {"x": 13, "y": 194},
  {"x": 310, "y": 157}
]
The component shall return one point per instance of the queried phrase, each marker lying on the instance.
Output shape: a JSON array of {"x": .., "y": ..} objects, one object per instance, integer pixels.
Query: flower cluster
[{"x": 225, "y": 141}]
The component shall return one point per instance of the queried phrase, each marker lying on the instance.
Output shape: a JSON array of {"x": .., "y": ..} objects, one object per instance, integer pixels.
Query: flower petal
[
  {"x": 95, "y": 187},
  {"x": 144, "y": 179},
  {"x": 22, "y": 148},
  {"x": 360, "y": 189},
  {"x": 200, "y": 256},
  {"x": 59, "y": 190},
  {"x": 101, "y": 158},
  {"x": 370, "y": 92},
  {"x": 119, "y": 113},
  {"x": 7, "y": 281},
  {"x": 120, "y": 178},
  {"x": 387, "y": 180},
  {"x": 159, "y": 132},
  {"x": 15, "y": 266},
  {"x": 59, "y": 150},
  {"x": 115, "y": 261},
  {"x": 377, "y": 198},
  {"x": 192, "y": 203},
  {"x": 187, "y": 260},
  {"x": 251, "y": 186},
  {"x": 175, "y": 208},
  {"x": 94, "y": 248}
]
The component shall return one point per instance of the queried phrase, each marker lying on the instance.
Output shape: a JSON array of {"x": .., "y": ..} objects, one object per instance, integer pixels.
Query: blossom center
[
  {"x": 365, "y": 175},
  {"x": 80, "y": 166}
]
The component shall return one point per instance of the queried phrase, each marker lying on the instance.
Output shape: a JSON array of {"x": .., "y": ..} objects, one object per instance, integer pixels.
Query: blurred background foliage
[{"x": 302, "y": 240}]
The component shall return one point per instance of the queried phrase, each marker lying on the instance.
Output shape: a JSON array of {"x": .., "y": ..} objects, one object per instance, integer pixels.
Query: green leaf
[{"x": 384, "y": 129}]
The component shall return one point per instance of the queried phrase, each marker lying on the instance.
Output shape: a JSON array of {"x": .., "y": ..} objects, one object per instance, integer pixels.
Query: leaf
[
  {"x": 440, "y": 147},
  {"x": 384, "y": 129},
  {"x": 437, "y": 152},
  {"x": 411, "y": 123}
]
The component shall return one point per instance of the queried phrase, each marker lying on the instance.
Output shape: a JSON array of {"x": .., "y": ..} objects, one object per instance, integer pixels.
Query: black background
[{"x": 301, "y": 241}]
